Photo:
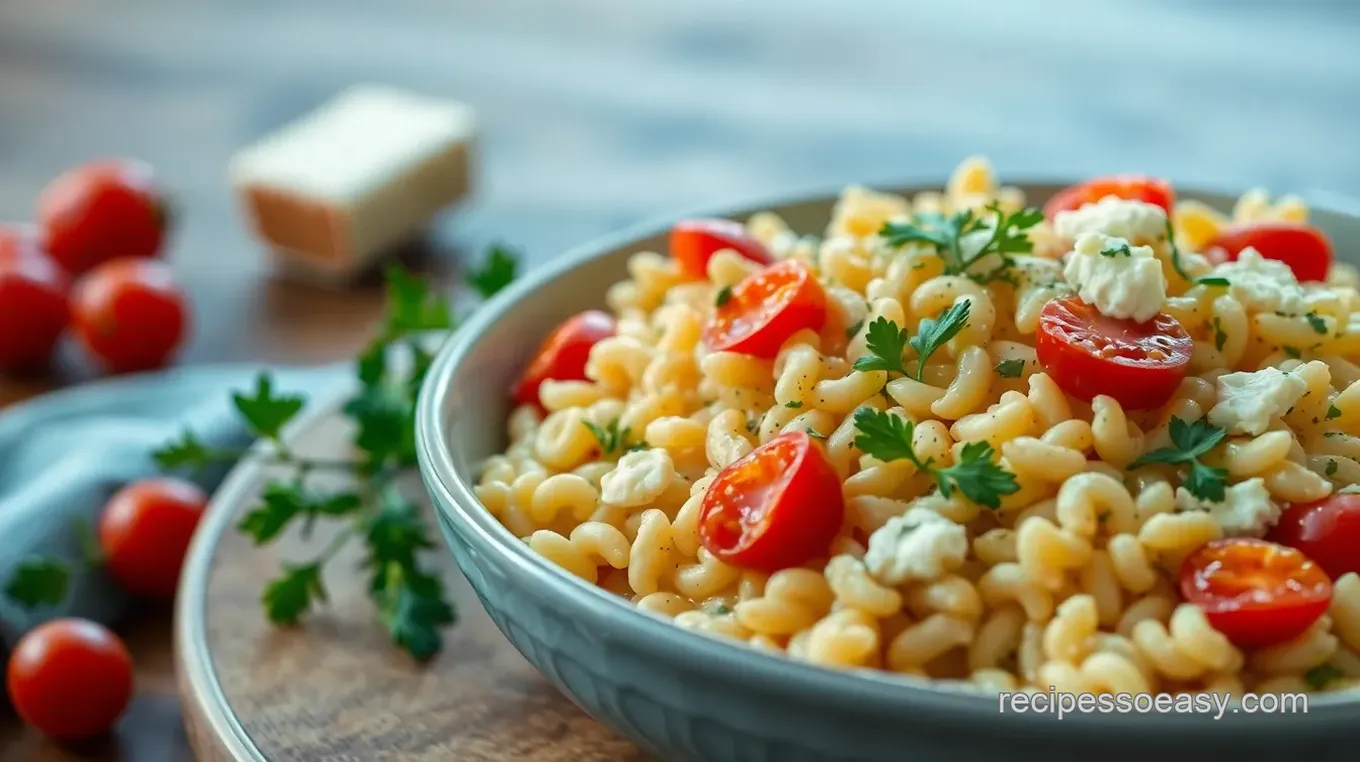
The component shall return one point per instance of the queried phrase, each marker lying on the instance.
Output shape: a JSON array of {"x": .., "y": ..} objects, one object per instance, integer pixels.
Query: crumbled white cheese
[
  {"x": 919, "y": 545},
  {"x": 639, "y": 478},
  {"x": 1135, "y": 221},
  {"x": 1263, "y": 285},
  {"x": 1248, "y": 401},
  {"x": 1246, "y": 510},
  {"x": 1119, "y": 279}
]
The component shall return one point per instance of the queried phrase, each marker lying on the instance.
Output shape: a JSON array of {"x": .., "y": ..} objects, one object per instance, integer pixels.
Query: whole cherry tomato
[
  {"x": 70, "y": 679},
  {"x": 33, "y": 301},
  {"x": 101, "y": 211},
  {"x": 1304, "y": 248},
  {"x": 130, "y": 314},
  {"x": 563, "y": 355},
  {"x": 694, "y": 242},
  {"x": 1088, "y": 354},
  {"x": 1151, "y": 190},
  {"x": 775, "y": 508},
  {"x": 145, "y": 531},
  {"x": 1327, "y": 531},
  {"x": 1256, "y": 593},
  {"x": 765, "y": 309}
]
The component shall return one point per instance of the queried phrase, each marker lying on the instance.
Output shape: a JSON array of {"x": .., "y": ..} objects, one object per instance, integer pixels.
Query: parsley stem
[{"x": 337, "y": 542}]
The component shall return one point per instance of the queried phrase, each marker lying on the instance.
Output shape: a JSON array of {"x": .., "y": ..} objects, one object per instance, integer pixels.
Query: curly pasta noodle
[{"x": 1070, "y": 581}]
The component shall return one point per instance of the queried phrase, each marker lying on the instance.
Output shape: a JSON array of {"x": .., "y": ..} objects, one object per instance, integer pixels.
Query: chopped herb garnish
[
  {"x": 1220, "y": 338},
  {"x": 886, "y": 341},
  {"x": 1013, "y": 368},
  {"x": 1316, "y": 322},
  {"x": 1333, "y": 412},
  {"x": 815, "y": 434},
  {"x": 1180, "y": 269},
  {"x": 977, "y": 475},
  {"x": 1122, "y": 250},
  {"x": 936, "y": 332},
  {"x": 1291, "y": 352},
  {"x": 795, "y": 404},
  {"x": 853, "y": 330},
  {"x": 610, "y": 437},
  {"x": 1190, "y": 441},
  {"x": 1318, "y": 677},
  {"x": 1007, "y": 234},
  {"x": 724, "y": 295},
  {"x": 1331, "y": 467}
]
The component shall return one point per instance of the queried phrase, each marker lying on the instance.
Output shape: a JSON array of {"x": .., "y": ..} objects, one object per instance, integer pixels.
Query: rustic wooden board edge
[{"x": 214, "y": 732}]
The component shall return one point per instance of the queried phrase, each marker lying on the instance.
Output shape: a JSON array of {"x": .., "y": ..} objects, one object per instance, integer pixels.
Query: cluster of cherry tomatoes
[
  {"x": 773, "y": 511},
  {"x": 72, "y": 678},
  {"x": 89, "y": 266}
]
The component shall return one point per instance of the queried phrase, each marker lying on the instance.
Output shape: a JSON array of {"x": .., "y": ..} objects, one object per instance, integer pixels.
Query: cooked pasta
[{"x": 961, "y": 439}]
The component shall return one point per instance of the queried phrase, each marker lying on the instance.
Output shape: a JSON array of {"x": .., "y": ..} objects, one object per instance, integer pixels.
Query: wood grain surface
[
  {"x": 334, "y": 689},
  {"x": 597, "y": 113}
]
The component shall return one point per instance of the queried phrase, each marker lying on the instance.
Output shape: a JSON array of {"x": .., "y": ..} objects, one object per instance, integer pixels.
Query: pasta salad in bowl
[{"x": 953, "y": 444}]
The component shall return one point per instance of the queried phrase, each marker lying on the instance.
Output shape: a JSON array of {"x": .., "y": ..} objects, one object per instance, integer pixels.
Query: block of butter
[{"x": 335, "y": 190}]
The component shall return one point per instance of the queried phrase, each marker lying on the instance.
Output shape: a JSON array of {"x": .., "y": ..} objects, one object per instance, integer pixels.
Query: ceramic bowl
[{"x": 681, "y": 695}]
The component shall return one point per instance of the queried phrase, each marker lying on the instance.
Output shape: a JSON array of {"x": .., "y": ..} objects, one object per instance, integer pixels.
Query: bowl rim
[{"x": 870, "y": 691}]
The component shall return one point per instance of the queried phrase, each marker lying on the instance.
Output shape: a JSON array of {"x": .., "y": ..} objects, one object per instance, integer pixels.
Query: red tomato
[
  {"x": 1327, "y": 531},
  {"x": 1087, "y": 353},
  {"x": 101, "y": 211},
  {"x": 563, "y": 355},
  {"x": 775, "y": 508},
  {"x": 70, "y": 679},
  {"x": 694, "y": 242},
  {"x": 1303, "y": 247},
  {"x": 766, "y": 308},
  {"x": 1256, "y": 593},
  {"x": 1152, "y": 190},
  {"x": 130, "y": 314},
  {"x": 144, "y": 533},
  {"x": 33, "y": 306}
]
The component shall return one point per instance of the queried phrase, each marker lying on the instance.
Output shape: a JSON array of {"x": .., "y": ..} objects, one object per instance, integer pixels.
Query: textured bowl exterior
[{"x": 684, "y": 696}]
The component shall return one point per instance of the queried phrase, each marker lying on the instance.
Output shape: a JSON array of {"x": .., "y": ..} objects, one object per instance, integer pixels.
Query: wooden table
[{"x": 597, "y": 113}]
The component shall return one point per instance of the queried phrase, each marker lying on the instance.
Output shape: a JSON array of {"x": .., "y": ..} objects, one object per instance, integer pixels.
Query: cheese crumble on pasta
[{"x": 958, "y": 438}]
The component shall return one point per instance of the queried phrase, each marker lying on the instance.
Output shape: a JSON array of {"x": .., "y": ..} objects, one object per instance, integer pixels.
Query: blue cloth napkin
[{"x": 63, "y": 455}]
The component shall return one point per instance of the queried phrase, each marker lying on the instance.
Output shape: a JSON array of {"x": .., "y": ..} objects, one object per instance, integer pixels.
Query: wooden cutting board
[{"x": 334, "y": 688}]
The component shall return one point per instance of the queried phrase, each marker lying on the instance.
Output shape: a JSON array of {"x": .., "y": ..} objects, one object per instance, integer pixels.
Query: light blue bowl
[{"x": 681, "y": 695}]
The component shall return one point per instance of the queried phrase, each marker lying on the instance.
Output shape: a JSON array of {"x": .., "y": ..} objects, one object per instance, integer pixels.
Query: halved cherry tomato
[
  {"x": 101, "y": 211},
  {"x": 33, "y": 301},
  {"x": 1256, "y": 593},
  {"x": 130, "y": 314},
  {"x": 775, "y": 508},
  {"x": 1152, "y": 190},
  {"x": 1304, "y": 248},
  {"x": 766, "y": 308},
  {"x": 1327, "y": 531},
  {"x": 694, "y": 242},
  {"x": 1087, "y": 353},
  {"x": 70, "y": 679},
  {"x": 144, "y": 533},
  {"x": 563, "y": 355}
]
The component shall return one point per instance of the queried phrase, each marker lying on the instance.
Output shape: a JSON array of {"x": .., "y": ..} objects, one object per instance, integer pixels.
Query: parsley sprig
[
  {"x": 614, "y": 440},
  {"x": 977, "y": 474},
  {"x": 1189, "y": 442},
  {"x": 1180, "y": 268},
  {"x": 1001, "y": 235},
  {"x": 887, "y": 342}
]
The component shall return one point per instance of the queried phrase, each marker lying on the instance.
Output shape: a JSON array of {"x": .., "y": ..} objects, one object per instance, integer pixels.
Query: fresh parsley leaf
[
  {"x": 1122, "y": 250},
  {"x": 412, "y": 305},
  {"x": 723, "y": 297},
  {"x": 38, "y": 582},
  {"x": 265, "y": 412},
  {"x": 496, "y": 272},
  {"x": 1318, "y": 677},
  {"x": 1220, "y": 338},
  {"x": 1316, "y": 322},
  {"x": 412, "y": 608},
  {"x": 978, "y": 476},
  {"x": 936, "y": 332},
  {"x": 1007, "y": 234},
  {"x": 641, "y": 444},
  {"x": 1333, "y": 412},
  {"x": 610, "y": 437},
  {"x": 1330, "y": 470},
  {"x": 291, "y": 595},
  {"x": 282, "y": 502},
  {"x": 1189, "y": 442},
  {"x": 885, "y": 342},
  {"x": 853, "y": 330},
  {"x": 394, "y": 536},
  {"x": 887, "y": 437},
  {"x": 795, "y": 404},
  {"x": 188, "y": 451},
  {"x": 1013, "y": 368}
]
